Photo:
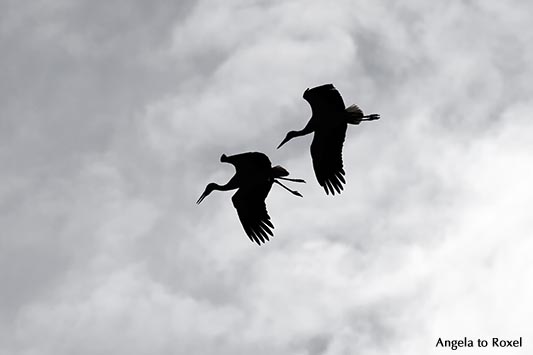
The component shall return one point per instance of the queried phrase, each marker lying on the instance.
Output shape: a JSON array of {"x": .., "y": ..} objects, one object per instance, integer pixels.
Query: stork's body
[
  {"x": 254, "y": 176},
  {"x": 329, "y": 122}
]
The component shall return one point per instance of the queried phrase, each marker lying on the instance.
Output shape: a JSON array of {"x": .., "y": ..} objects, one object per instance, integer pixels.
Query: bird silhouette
[
  {"x": 254, "y": 176},
  {"x": 329, "y": 122}
]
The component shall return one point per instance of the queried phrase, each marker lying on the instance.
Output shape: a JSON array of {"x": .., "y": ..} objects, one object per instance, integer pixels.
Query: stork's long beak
[
  {"x": 283, "y": 142},
  {"x": 202, "y": 197}
]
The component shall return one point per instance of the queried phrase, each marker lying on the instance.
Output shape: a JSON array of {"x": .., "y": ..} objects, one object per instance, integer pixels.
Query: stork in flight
[
  {"x": 254, "y": 176},
  {"x": 329, "y": 122}
]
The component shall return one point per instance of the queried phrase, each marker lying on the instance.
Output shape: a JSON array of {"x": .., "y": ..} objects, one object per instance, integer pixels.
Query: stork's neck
[
  {"x": 306, "y": 130},
  {"x": 230, "y": 185}
]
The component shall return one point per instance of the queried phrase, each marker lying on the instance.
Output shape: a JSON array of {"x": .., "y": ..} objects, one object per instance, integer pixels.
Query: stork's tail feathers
[
  {"x": 354, "y": 110},
  {"x": 279, "y": 171},
  {"x": 354, "y": 115}
]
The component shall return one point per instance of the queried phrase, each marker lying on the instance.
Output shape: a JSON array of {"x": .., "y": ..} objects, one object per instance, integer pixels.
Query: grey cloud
[{"x": 114, "y": 116}]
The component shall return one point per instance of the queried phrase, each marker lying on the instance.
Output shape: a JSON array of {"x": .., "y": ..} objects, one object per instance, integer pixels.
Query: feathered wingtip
[{"x": 279, "y": 171}]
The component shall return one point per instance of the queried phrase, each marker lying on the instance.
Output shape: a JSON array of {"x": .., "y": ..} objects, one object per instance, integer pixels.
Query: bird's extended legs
[
  {"x": 294, "y": 192},
  {"x": 293, "y": 180},
  {"x": 371, "y": 117}
]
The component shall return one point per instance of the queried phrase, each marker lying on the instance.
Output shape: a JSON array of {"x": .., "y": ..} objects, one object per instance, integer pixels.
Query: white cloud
[{"x": 114, "y": 120}]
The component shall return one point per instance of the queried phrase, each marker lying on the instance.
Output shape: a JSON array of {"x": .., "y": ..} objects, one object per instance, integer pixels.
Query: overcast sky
[{"x": 113, "y": 116}]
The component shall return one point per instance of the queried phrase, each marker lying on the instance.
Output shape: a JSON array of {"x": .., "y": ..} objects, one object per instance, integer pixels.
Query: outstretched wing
[
  {"x": 330, "y": 132},
  {"x": 324, "y": 100},
  {"x": 249, "y": 201},
  {"x": 249, "y": 161},
  {"x": 326, "y": 152}
]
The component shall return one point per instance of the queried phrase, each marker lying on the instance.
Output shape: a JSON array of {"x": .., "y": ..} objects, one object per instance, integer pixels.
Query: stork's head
[
  {"x": 208, "y": 189},
  {"x": 290, "y": 135}
]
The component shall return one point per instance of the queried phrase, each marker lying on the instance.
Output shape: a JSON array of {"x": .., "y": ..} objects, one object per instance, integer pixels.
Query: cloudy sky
[{"x": 113, "y": 116}]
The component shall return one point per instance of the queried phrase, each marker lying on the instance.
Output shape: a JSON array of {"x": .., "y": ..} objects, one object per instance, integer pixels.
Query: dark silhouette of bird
[
  {"x": 254, "y": 176},
  {"x": 329, "y": 122}
]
